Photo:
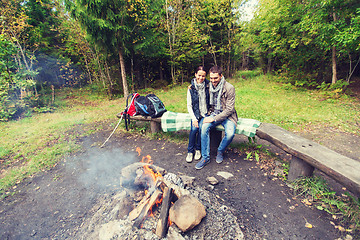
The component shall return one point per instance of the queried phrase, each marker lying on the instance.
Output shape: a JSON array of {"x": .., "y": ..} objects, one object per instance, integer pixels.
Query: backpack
[
  {"x": 150, "y": 105},
  {"x": 130, "y": 109}
]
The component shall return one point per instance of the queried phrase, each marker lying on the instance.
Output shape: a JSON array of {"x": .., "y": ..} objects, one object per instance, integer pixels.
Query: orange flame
[
  {"x": 147, "y": 159},
  {"x": 153, "y": 174},
  {"x": 157, "y": 204},
  {"x": 138, "y": 150}
]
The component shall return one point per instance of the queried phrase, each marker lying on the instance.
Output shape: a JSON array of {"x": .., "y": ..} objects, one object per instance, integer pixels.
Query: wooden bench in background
[{"x": 306, "y": 154}]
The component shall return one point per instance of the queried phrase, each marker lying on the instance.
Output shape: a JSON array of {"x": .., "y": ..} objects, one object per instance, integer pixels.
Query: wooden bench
[{"x": 306, "y": 154}]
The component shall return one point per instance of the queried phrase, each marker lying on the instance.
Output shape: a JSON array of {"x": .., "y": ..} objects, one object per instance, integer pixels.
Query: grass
[
  {"x": 267, "y": 100},
  {"x": 344, "y": 208},
  {"x": 34, "y": 144}
]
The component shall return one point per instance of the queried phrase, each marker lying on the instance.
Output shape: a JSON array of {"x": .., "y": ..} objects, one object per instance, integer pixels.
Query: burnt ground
[{"x": 54, "y": 204}]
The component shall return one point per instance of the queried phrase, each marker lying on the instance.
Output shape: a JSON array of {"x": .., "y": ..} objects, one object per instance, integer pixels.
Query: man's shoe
[
  {"x": 189, "y": 157},
  {"x": 201, "y": 164},
  {"x": 197, "y": 155},
  {"x": 219, "y": 157}
]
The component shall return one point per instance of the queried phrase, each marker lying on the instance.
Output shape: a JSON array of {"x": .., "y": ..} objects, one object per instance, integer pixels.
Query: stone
[
  {"x": 187, "y": 212},
  {"x": 225, "y": 175},
  {"x": 212, "y": 180},
  {"x": 209, "y": 187},
  {"x": 188, "y": 181},
  {"x": 128, "y": 173},
  {"x": 174, "y": 234}
]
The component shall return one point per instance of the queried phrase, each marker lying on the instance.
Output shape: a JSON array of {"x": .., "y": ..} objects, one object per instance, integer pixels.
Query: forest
[{"x": 114, "y": 47}]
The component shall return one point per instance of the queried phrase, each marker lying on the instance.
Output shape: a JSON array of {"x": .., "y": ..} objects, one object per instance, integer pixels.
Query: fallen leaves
[
  {"x": 306, "y": 202},
  {"x": 340, "y": 228},
  {"x": 307, "y": 224}
]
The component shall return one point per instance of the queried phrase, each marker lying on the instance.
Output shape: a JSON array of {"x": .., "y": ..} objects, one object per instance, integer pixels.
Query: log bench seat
[{"x": 306, "y": 154}]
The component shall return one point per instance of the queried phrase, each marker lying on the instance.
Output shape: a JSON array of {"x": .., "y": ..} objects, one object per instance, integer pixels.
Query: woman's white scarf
[
  {"x": 215, "y": 95},
  {"x": 200, "y": 88}
]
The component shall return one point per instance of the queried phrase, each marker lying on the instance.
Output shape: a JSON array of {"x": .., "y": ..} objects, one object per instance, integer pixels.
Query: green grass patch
[{"x": 344, "y": 208}]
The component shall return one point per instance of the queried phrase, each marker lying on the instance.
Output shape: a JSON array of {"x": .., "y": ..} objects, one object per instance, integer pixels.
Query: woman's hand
[{"x": 195, "y": 124}]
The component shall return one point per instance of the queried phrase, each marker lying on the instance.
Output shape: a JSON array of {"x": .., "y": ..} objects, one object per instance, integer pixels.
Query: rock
[
  {"x": 187, "y": 212},
  {"x": 124, "y": 206},
  {"x": 174, "y": 234},
  {"x": 209, "y": 187},
  {"x": 128, "y": 173},
  {"x": 225, "y": 175},
  {"x": 187, "y": 181},
  {"x": 212, "y": 180}
]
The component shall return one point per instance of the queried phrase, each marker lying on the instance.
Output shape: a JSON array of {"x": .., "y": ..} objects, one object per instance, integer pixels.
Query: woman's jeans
[
  {"x": 194, "y": 139},
  {"x": 229, "y": 127}
]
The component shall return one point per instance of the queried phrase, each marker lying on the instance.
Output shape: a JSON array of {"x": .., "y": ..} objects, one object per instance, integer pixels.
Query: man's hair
[
  {"x": 216, "y": 69},
  {"x": 200, "y": 68}
]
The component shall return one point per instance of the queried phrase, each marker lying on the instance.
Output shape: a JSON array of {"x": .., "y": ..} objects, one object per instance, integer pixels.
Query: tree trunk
[
  {"x": 109, "y": 79},
  {"x": 161, "y": 72},
  {"x": 123, "y": 73},
  {"x": 132, "y": 75},
  {"x": 333, "y": 58},
  {"x": 172, "y": 67},
  {"x": 102, "y": 75},
  {"x": 87, "y": 68}
]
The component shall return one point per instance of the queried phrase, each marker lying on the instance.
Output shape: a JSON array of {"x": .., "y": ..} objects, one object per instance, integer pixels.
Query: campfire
[
  {"x": 153, "y": 203},
  {"x": 174, "y": 204}
]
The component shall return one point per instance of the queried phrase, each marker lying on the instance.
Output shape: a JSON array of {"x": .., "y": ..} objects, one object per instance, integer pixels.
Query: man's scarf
[{"x": 215, "y": 94}]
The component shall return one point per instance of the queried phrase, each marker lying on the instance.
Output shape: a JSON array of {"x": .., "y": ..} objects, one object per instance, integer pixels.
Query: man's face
[{"x": 215, "y": 78}]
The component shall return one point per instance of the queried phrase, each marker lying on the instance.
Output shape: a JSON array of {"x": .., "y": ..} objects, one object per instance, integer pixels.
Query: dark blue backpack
[{"x": 150, "y": 105}]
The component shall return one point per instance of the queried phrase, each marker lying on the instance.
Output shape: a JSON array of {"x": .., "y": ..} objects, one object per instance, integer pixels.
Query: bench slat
[{"x": 339, "y": 167}]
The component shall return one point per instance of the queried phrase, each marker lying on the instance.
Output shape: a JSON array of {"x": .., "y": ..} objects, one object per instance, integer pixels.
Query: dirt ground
[{"x": 53, "y": 204}]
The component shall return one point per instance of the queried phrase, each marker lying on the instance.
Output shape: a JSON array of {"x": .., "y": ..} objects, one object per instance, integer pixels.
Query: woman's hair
[
  {"x": 216, "y": 69},
  {"x": 200, "y": 68}
]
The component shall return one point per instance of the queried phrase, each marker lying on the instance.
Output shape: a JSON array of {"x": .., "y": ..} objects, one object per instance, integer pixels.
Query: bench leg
[
  {"x": 299, "y": 168},
  {"x": 155, "y": 126},
  {"x": 215, "y": 139}
]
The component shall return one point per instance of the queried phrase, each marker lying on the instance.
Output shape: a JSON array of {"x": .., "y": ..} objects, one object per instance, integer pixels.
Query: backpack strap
[
  {"x": 127, "y": 121},
  {"x": 125, "y": 113}
]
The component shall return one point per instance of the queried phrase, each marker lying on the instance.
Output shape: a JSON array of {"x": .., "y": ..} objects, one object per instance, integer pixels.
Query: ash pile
[{"x": 155, "y": 205}]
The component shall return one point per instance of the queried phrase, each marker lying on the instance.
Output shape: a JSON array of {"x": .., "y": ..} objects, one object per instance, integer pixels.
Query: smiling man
[{"x": 222, "y": 111}]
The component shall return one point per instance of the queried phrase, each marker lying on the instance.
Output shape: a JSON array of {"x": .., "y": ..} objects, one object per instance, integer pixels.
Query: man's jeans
[
  {"x": 230, "y": 128},
  {"x": 194, "y": 139}
]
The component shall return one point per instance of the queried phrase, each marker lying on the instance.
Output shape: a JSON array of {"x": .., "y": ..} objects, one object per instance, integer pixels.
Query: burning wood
[
  {"x": 163, "y": 223},
  {"x": 155, "y": 197},
  {"x": 158, "y": 190},
  {"x": 148, "y": 199}
]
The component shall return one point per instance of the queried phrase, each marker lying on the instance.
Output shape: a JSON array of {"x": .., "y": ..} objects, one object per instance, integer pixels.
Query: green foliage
[
  {"x": 15, "y": 82},
  {"x": 297, "y": 38}
]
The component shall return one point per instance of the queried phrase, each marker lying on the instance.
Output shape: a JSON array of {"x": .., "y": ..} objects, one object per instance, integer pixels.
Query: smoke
[
  {"x": 100, "y": 169},
  {"x": 58, "y": 72}
]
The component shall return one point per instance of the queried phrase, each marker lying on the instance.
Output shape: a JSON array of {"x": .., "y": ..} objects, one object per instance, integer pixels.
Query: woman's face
[{"x": 200, "y": 76}]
